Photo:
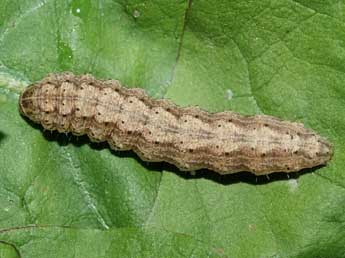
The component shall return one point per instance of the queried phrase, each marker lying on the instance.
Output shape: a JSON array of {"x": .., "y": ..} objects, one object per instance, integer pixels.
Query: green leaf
[{"x": 64, "y": 197}]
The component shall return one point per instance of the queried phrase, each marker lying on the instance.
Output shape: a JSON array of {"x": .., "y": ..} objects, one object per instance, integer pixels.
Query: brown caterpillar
[{"x": 158, "y": 130}]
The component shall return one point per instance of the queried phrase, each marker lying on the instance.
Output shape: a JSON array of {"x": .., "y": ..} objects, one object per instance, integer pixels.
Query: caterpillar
[{"x": 158, "y": 130}]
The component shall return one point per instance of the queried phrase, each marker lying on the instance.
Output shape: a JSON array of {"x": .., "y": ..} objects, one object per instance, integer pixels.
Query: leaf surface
[{"x": 61, "y": 196}]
